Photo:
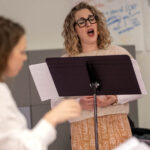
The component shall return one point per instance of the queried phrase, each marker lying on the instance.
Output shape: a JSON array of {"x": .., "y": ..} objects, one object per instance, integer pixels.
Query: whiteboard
[
  {"x": 146, "y": 19},
  {"x": 124, "y": 20}
]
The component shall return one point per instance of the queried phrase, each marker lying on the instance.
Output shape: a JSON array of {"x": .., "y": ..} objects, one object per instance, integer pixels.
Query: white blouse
[{"x": 14, "y": 134}]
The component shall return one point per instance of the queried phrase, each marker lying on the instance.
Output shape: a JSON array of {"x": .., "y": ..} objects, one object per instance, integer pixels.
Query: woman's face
[
  {"x": 88, "y": 33},
  {"x": 16, "y": 58}
]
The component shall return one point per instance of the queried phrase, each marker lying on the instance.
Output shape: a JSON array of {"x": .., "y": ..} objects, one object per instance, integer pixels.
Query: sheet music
[
  {"x": 47, "y": 89},
  {"x": 139, "y": 76},
  {"x": 43, "y": 81}
]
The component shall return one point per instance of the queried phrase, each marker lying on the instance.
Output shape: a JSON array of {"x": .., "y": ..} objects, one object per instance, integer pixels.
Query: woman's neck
[{"x": 89, "y": 47}]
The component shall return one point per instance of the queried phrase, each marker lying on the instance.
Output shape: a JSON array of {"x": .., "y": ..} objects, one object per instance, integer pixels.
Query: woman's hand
[
  {"x": 87, "y": 102},
  {"x": 104, "y": 101},
  {"x": 64, "y": 111}
]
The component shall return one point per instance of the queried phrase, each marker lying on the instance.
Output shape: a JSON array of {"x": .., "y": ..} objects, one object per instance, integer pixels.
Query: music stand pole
[{"x": 94, "y": 87}]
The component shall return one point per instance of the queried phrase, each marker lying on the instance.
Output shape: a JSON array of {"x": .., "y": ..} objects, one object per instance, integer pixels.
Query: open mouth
[{"x": 90, "y": 32}]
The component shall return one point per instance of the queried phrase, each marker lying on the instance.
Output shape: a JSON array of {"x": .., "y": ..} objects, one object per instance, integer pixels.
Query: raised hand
[{"x": 64, "y": 111}]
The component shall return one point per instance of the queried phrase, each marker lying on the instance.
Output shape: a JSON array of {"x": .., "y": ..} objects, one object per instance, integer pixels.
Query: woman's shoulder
[
  {"x": 119, "y": 50},
  {"x": 116, "y": 47}
]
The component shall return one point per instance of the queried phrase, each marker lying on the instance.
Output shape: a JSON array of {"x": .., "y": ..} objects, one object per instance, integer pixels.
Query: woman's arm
[
  {"x": 14, "y": 134},
  {"x": 122, "y": 99}
]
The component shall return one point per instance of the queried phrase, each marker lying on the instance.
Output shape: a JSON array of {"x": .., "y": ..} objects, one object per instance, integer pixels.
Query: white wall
[
  {"x": 43, "y": 21},
  {"x": 143, "y": 59}
]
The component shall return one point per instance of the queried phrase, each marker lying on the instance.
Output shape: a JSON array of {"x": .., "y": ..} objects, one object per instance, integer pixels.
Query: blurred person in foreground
[{"x": 14, "y": 134}]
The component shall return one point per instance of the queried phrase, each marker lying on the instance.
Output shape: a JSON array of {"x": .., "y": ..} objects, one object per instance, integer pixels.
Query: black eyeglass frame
[{"x": 88, "y": 19}]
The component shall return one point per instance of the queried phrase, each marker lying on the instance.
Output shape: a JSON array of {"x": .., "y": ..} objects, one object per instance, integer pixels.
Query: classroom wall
[
  {"x": 43, "y": 21},
  {"x": 143, "y": 59}
]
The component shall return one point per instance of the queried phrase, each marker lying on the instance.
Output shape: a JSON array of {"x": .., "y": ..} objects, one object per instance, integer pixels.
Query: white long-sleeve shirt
[{"x": 14, "y": 134}]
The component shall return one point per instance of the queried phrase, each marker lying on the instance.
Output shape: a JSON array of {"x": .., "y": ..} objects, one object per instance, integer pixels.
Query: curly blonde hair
[{"x": 72, "y": 42}]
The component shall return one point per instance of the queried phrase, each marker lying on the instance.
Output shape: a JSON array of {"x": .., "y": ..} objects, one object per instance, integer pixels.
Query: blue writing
[{"x": 123, "y": 19}]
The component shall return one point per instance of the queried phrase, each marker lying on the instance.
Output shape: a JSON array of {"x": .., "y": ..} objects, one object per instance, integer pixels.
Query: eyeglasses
[{"x": 82, "y": 22}]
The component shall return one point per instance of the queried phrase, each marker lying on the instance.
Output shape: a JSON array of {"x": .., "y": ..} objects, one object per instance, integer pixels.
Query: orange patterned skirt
[{"x": 113, "y": 130}]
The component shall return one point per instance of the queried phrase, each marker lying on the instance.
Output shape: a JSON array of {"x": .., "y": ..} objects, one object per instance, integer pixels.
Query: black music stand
[{"x": 93, "y": 75}]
